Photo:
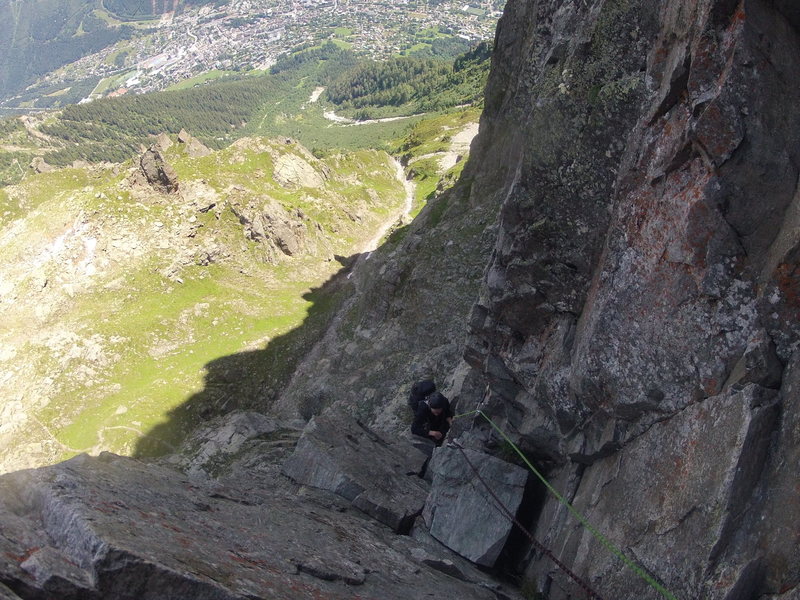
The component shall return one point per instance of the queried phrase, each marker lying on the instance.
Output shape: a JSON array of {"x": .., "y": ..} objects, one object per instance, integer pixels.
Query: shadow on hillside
[{"x": 252, "y": 379}]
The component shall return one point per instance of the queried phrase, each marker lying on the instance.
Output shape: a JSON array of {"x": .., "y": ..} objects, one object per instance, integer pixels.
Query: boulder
[
  {"x": 194, "y": 147},
  {"x": 431, "y": 552},
  {"x": 184, "y": 137},
  {"x": 103, "y": 527},
  {"x": 379, "y": 476},
  {"x": 39, "y": 165},
  {"x": 163, "y": 142},
  {"x": 157, "y": 172},
  {"x": 462, "y": 514}
]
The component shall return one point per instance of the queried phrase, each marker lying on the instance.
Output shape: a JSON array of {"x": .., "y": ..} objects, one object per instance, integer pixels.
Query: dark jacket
[{"x": 425, "y": 420}]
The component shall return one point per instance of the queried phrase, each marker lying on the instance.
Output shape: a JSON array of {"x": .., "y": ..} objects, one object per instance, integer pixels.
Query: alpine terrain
[{"x": 606, "y": 288}]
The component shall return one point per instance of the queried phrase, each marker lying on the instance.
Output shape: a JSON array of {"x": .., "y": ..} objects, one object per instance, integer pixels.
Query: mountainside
[
  {"x": 123, "y": 299},
  {"x": 612, "y": 281},
  {"x": 41, "y": 35}
]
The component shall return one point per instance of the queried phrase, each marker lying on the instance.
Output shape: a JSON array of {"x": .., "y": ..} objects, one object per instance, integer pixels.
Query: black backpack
[{"x": 419, "y": 392}]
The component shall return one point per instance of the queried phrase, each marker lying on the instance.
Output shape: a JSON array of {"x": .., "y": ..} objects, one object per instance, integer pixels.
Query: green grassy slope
[{"x": 131, "y": 315}]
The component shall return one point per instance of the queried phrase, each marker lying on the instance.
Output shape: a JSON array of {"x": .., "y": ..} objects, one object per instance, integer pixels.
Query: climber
[
  {"x": 419, "y": 393},
  {"x": 432, "y": 418}
]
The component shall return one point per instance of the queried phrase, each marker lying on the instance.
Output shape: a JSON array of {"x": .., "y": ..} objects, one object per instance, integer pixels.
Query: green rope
[{"x": 599, "y": 536}]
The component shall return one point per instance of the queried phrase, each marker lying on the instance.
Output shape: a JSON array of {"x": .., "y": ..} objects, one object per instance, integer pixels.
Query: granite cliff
[{"x": 613, "y": 281}]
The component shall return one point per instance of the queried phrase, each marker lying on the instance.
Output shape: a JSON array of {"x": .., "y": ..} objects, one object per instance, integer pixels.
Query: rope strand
[{"x": 639, "y": 571}]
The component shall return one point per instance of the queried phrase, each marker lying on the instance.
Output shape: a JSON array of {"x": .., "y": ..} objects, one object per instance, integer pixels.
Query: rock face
[
  {"x": 636, "y": 329},
  {"x": 112, "y": 527},
  {"x": 678, "y": 510},
  {"x": 39, "y": 165},
  {"x": 379, "y": 476},
  {"x": 462, "y": 512},
  {"x": 640, "y": 306},
  {"x": 194, "y": 147},
  {"x": 163, "y": 142},
  {"x": 270, "y": 223}
]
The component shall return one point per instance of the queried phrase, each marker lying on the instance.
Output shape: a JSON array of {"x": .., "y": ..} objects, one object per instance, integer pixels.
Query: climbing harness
[{"x": 639, "y": 571}]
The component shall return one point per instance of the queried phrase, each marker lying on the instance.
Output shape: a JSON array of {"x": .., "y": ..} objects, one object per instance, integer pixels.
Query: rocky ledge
[
  {"x": 116, "y": 527},
  {"x": 344, "y": 456}
]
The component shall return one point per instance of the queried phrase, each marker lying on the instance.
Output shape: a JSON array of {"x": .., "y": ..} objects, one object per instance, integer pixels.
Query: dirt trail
[
  {"x": 316, "y": 94},
  {"x": 459, "y": 146},
  {"x": 332, "y": 116}
]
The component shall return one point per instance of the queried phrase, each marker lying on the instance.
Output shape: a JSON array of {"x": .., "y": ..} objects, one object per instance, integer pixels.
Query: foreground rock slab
[
  {"x": 378, "y": 476},
  {"x": 113, "y": 527},
  {"x": 460, "y": 511}
]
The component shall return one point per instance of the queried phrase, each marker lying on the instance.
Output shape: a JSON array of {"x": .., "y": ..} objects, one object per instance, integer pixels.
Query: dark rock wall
[
  {"x": 641, "y": 302},
  {"x": 568, "y": 83}
]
